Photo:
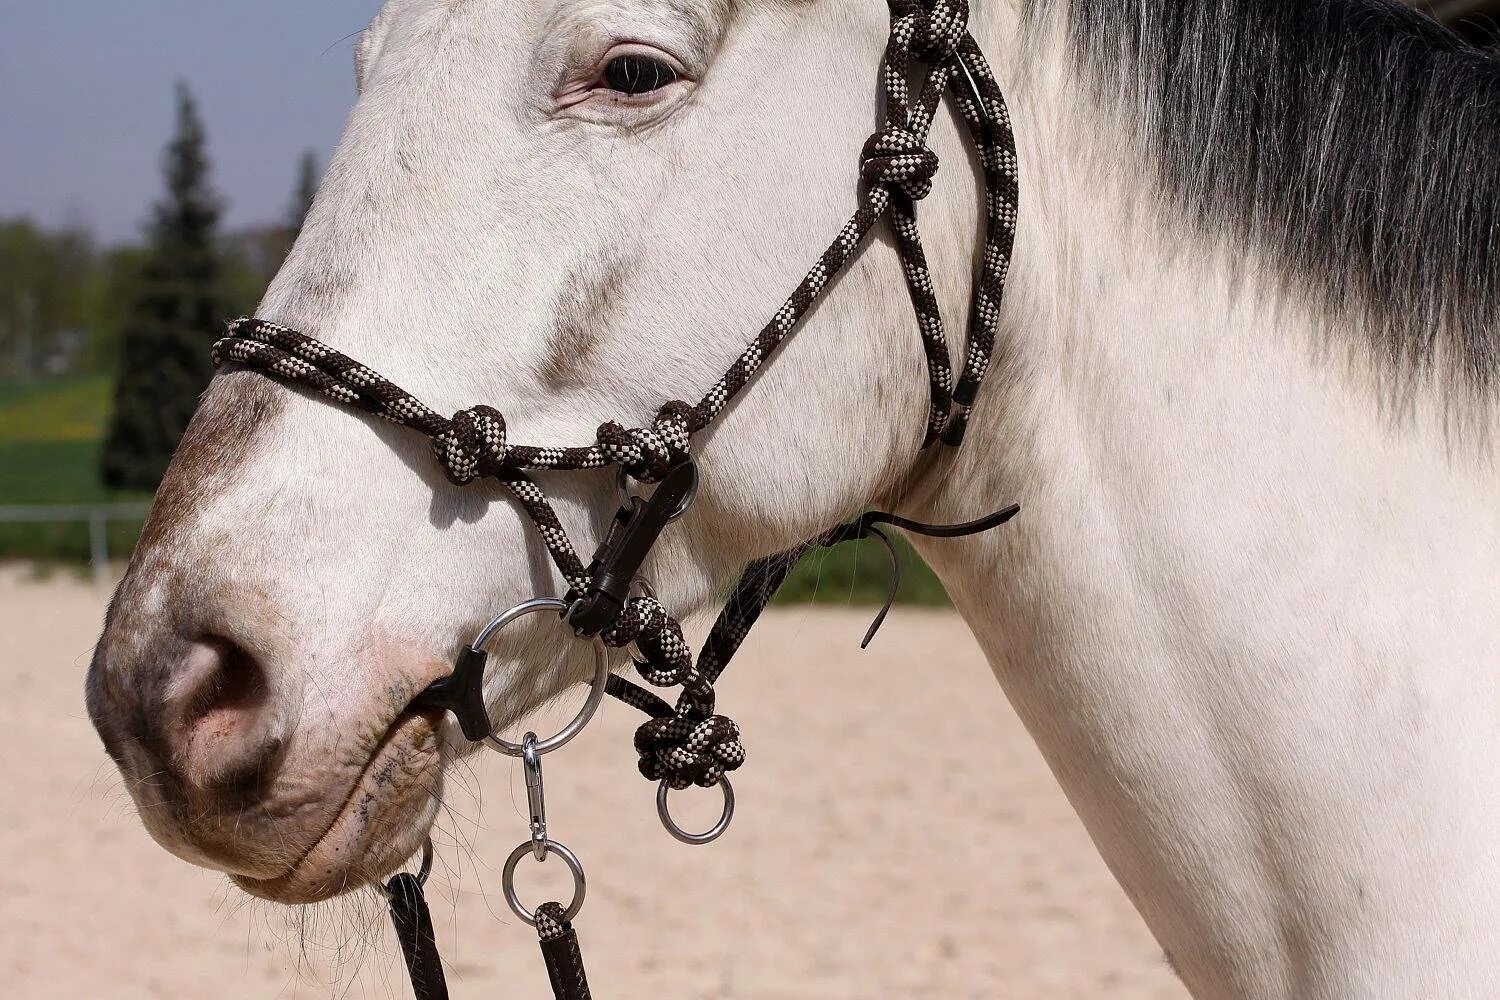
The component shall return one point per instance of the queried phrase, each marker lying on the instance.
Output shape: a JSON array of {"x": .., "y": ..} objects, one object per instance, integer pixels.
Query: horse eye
[{"x": 637, "y": 74}]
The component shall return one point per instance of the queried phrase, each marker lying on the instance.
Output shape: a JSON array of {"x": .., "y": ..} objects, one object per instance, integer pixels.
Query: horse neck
[{"x": 1229, "y": 611}]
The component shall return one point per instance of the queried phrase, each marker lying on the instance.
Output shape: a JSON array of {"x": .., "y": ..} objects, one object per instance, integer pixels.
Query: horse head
[{"x": 571, "y": 211}]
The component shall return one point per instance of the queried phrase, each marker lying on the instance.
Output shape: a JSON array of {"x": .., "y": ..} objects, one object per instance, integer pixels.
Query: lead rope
[
  {"x": 686, "y": 743},
  {"x": 413, "y": 922},
  {"x": 561, "y": 954}
]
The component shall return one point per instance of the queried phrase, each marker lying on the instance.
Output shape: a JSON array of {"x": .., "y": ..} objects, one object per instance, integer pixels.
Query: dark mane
[{"x": 1355, "y": 143}]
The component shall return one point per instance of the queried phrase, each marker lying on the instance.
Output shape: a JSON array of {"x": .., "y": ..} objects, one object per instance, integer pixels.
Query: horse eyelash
[{"x": 624, "y": 74}]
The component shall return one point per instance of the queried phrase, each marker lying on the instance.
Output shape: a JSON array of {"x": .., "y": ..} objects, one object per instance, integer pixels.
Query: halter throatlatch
[{"x": 685, "y": 742}]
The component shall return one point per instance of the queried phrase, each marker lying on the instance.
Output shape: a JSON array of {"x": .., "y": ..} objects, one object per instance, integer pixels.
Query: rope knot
[
  {"x": 939, "y": 29},
  {"x": 684, "y": 751},
  {"x": 692, "y": 745},
  {"x": 641, "y": 618},
  {"x": 897, "y": 158},
  {"x": 473, "y": 446},
  {"x": 648, "y": 453}
]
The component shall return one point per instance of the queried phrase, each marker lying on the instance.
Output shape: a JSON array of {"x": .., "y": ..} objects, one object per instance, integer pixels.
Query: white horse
[{"x": 1244, "y": 391}]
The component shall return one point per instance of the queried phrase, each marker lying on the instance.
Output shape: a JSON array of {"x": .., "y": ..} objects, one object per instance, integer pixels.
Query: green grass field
[
  {"x": 50, "y": 434},
  {"x": 860, "y": 573}
]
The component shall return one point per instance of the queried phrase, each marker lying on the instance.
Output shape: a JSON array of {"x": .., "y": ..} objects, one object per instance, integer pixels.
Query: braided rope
[
  {"x": 899, "y": 169},
  {"x": 687, "y": 743},
  {"x": 551, "y": 924},
  {"x": 561, "y": 953}
]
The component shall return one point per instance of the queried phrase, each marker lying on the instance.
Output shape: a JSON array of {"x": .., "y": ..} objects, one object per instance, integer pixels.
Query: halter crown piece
[{"x": 686, "y": 743}]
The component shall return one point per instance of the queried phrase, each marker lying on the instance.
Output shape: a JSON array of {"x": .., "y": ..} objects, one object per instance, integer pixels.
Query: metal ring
[
  {"x": 596, "y": 690},
  {"x": 682, "y": 508},
  {"x": 508, "y": 881},
  {"x": 423, "y": 871},
  {"x": 696, "y": 839}
]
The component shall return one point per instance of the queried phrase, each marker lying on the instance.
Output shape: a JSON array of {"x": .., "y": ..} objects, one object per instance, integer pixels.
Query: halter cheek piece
[{"x": 686, "y": 742}]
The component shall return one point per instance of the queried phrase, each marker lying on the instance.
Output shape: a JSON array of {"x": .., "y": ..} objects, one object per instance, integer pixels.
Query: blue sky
[{"x": 86, "y": 100}]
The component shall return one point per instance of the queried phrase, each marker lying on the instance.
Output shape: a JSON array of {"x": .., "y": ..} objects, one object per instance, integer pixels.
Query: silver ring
[
  {"x": 423, "y": 871},
  {"x": 696, "y": 839},
  {"x": 508, "y": 881},
  {"x": 682, "y": 508},
  {"x": 596, "y": 690}
]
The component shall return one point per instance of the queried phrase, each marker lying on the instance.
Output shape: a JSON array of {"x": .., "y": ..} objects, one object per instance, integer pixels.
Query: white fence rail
[{"x": 96, "y": 516}]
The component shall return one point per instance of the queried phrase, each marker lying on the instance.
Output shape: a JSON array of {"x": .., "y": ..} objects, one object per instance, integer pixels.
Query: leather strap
[
  {"x": 561, "y": 953},
  {"x": 413, "y": 922}
]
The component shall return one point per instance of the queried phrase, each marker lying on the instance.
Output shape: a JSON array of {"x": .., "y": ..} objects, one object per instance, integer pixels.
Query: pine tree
[
  {"x": 302, "y": 198},
  {"x": 171, "y": 322}
]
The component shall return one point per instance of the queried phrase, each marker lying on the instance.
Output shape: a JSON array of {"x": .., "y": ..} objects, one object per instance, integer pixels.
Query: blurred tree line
[
  {"x": 145, "y": 312},
  {"x": 57, "y": 296}
]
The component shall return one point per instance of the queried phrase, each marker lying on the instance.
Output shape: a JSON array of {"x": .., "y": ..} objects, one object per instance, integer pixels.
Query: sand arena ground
[{"x": 898, "y": 836}]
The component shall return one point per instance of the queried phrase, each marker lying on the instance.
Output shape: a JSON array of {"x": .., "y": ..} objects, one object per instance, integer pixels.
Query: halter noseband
[{"x": 687, "y": 743}]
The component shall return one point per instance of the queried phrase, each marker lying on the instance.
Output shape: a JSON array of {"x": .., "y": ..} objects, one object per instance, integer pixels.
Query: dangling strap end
[
  {"x": 875, "y": 625},
  {"x": 865, "y": 526},
  {"x": 413, "y": 922},
  {"x": 989, "y": 522},
  {"x": 891, "y": 591}
]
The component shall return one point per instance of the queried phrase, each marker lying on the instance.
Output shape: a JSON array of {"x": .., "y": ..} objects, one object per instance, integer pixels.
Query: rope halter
[{"x": 686, "y": 742}]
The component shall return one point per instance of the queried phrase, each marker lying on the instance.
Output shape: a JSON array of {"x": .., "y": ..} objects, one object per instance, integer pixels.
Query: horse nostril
[{"x": 221, "y": 717}]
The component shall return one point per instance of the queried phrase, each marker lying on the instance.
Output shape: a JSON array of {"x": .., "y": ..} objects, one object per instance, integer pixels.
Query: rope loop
[
  {"x": 641, "y": 617},
  {"x": 897, "y": 158},
  {"x": 474, "y": 446},
  {"x": 691, "y": 745},
  {"x": 666, "y": 659}
]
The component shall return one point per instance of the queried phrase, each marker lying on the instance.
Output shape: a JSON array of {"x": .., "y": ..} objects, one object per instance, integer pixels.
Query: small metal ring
[
  {"x": 696, "y": 839},
  {"x": 682, "y": 508},
  {"x": 596, "y": 690},
  {"x": 423, "y": 871},
  {"x": 508, "y": 881}
]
